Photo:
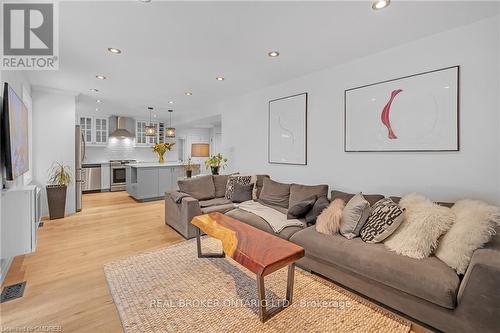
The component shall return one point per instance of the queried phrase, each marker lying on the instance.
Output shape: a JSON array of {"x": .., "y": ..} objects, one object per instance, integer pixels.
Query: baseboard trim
[{"x": 5, "y": 265}]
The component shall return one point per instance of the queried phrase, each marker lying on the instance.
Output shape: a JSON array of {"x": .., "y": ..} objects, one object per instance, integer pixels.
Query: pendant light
[
  {"x": 150, "y": 129},
  {"x": 170, "y": 131}
]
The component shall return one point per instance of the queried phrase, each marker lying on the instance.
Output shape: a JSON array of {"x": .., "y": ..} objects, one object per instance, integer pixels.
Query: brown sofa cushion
[
  {"x": 371, "y": 198},
  {"x": 220, "y": 182},
  {"x": 275, "y": 193},
  {"x": 429, "y": 278},
  {"x": 300, "y": 192},
  {"x": 201, "y": 188}
]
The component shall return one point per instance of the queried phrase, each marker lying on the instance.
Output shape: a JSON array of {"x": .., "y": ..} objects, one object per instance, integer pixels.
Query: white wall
[
  {"x": 473, "y": 172},
  {"x": 53, "y": 138}
]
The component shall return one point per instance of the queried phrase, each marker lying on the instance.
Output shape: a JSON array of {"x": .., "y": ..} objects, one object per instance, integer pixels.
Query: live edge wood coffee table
[{"x": 254, "y": 249}]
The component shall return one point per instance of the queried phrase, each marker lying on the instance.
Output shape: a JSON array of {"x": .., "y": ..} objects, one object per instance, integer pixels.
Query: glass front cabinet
[{"x": 95, "y": 129}]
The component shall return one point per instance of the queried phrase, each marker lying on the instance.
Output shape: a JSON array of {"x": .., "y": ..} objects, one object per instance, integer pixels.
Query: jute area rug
[{"x": 172, "y": 290}]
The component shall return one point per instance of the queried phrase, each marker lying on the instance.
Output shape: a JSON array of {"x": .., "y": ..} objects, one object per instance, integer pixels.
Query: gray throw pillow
[
  {"x": 354, "y": 216},
  {"x": 242, "y": 192},
  {"x": 321, "y": 204},
  {"x": 300, "y": 209},
  {"x": 220, "y": 182},
  {"x": 274, "y": 193},
  {"x": 385, "y": 217},
  {"x": 200, "y": 188}
]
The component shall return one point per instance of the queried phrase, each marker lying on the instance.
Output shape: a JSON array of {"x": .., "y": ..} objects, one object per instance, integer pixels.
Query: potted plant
[
  {"x": 216, "y": 162},
  {"x": 161, "y": 149},
  {"x": 59, "y": 179},
  {"x": 188, "y": 166}
]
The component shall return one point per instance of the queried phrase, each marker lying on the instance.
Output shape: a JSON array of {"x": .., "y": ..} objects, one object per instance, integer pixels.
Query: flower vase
[{"x": 161, "y": 158}]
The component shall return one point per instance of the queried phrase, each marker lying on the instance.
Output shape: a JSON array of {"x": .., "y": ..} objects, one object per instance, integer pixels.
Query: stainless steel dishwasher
[{"x": 91, "y": 177}]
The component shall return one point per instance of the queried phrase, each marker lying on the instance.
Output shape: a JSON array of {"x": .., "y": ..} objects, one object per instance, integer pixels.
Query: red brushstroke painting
[{"x": 385, "y": 114}]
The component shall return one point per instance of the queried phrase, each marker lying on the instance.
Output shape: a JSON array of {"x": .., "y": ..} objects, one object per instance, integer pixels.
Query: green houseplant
[
  {"x": 216, "y": 162},
  {"x": 59, "y": 178}
]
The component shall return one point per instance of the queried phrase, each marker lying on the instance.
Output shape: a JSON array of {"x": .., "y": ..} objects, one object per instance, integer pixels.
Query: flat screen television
[{"x": 14, "y": 134}]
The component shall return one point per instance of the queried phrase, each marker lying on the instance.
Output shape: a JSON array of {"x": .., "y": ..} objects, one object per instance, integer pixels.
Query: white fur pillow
[
  {"x": 475, "y": 224},
  {"x": 424, "y": 223},
  {"x": 328, "y": 221}
]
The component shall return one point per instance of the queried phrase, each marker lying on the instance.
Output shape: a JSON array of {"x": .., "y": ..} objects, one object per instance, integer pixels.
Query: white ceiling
[{"x": 173, "y": 47}]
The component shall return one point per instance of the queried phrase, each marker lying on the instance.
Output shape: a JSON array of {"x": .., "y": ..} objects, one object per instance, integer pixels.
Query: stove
[{"x": 119, "y": 174}]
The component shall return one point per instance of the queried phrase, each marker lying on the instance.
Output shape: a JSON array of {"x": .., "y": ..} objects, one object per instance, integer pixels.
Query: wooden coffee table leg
[
  {"x": 264, "y": 315},
  {"x": 198, "y": 248}
]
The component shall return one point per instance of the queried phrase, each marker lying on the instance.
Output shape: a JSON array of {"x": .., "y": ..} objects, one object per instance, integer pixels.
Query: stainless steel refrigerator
[{"x": 79, "y": 156}]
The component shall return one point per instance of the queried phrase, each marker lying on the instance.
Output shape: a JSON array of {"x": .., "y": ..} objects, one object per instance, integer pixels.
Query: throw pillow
[
  {"x": 321, "y": 204},
  {"x": 259, "y": 182},
  {"x": 328, "y": 222},
  {"x": 300, "y": 192},
  {"x": 424, "y": 222},
  {"x": 274, "y": 193},
  {"x": 354, "y": 216},
  {"x": 385, "y": 217},
  {"x": 220, "y": 182},
  {"x": 474, "y": 226},
  {"x": 371, "y": 198},
  {"x": 200, "y": 188},
  {"x": 300, "y": 209},
  {"x": 243, "y": 180},
  {"x": 241, "y": 192}
]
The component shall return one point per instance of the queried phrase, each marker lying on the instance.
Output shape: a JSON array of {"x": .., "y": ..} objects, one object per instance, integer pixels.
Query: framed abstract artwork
[
  {"x": 287, "y": 137},
  {"x": 419, "y": 112}
]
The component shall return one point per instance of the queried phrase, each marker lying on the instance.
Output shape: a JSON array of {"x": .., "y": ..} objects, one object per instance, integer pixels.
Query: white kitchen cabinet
[
  {"x": 140, "y": 133},
  {"x": 105, "y": 177},
  {"x": 95, "y": 129}
]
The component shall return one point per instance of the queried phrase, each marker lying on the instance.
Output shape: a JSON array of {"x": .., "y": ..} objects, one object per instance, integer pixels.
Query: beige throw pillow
[
  {"x": 354, "y": 216},
  {"x": 474, "y": 225},
  {"x": 328, "y": 222},
  {"x": 424, "y": 222}
]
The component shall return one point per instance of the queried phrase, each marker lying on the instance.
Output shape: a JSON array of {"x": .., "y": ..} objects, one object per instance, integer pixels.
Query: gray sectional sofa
[{"x": 426, "y": 290}]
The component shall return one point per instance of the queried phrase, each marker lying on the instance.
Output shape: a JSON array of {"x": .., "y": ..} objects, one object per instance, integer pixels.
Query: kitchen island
[{"x": 150, "y": 181}]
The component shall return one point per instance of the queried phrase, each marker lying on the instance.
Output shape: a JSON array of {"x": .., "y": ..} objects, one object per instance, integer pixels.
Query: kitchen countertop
[{"x": 155, "y": 165}]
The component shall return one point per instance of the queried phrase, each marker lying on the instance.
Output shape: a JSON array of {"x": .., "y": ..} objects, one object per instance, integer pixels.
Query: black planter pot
[
  {"x": 215, "y": 170},
  {"x": 189, "y": 173},
  {"x": 56, "y": 197}
]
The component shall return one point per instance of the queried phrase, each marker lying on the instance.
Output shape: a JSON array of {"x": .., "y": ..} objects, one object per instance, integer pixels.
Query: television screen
[{"x": 15, "y": 134}]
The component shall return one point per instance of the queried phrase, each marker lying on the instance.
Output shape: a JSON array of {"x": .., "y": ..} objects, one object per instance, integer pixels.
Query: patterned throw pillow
[
  {"x": 385, "y": 217},
  {"x": 243, "y": 180}
]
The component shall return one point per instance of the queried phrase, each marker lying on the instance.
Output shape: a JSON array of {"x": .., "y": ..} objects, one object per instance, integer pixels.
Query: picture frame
[
  {"x": 287, "y": 130},
  {"x": 414, "y": 113}
]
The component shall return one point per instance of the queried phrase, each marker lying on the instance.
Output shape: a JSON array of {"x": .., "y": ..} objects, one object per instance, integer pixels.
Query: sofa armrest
[
  {"x": 179, "y": 216},
  {"x": 479, "y": 296}
]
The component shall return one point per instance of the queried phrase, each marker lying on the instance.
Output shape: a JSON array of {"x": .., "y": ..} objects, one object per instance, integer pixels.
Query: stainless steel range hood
[{"x": 121, "y": 127}]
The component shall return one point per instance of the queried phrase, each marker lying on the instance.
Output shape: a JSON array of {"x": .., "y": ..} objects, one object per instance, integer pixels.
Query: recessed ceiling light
[
  {"x": 380, "y": 4},
  {"x": 273, "y": 54},
  {"x": 145, "y": 1},
  {"x": 94, "y": 90},
  {"x": 171, "y": 102},
  {"x": 219, "y": 78},
  {"x": 114, "y": 50},
  {"x": 189, "y": 93},
  {"x": 98, "y": 101},
  {"x": 97, "y": 109},
  {"x": 100, "y": 77}
]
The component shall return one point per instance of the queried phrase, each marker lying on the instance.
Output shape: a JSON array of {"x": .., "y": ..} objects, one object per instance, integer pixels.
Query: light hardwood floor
[{"x": 65, "y": 280}]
